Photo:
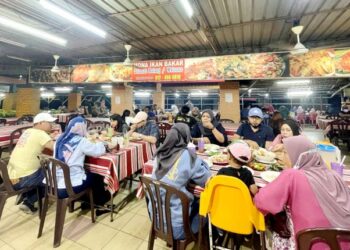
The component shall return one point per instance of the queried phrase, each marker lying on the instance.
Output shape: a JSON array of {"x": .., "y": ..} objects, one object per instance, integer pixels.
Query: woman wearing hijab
[
  {"x": 212, "y": 131},
  {"x": 71, "y": 148},
  {"x": 175, "y": 165},
  {"x": 313, "y": 195}
]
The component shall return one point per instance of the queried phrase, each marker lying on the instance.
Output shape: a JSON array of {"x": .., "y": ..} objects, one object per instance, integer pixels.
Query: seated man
[
  {"x": 255, "y": 133},
  {"x": 145, "y": 129},
  {"x": 24, "y": 166},
  {"x": 185, "y": 118}
]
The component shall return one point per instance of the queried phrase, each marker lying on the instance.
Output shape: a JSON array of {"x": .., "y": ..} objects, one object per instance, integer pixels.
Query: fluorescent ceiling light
[
  {"x": 63, "y": 89},
  {"x": 72, "y": 18},
  {"x": 32, "y": 31},
  {"x": 299, "y": 93},
  {"x": 267, "y": 95},
  {"x": 188, "y": 8},
  {"x": 108, "y": 94},
  {"x": 19, "y": 58},
  {"x": 47, "y": 95},
  {"x": 4, "y": 40},
  {"x": 199, "y": 94},
  {"x": 177, "y": 95},
  {"x": 106, "y": 86},
  {"x": 249, "y": 91},
  {"x": 2, "y": 95},
  {"x": 142, "y": 94},
  {"x": 42, "y": 89},
  {"x": 286, "y": 82}
]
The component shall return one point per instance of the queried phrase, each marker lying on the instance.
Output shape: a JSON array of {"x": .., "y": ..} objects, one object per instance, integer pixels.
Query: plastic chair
[
  {"x": 15, "y": 135},
  {"x": 330, "y": 236},
  {"x": 49, "y": 166},
  {"x": 229, "y": 205},
  {"x": 163, "y": 128},
  {"x": 160, "y": 228},
  {"x": 6, "y": 188}
]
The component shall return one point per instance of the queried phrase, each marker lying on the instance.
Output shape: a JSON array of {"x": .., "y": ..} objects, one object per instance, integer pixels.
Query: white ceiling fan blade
[{"x": 55, "y": 68}]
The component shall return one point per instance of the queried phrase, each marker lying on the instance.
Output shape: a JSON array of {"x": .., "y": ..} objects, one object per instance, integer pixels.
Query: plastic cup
[{"x": 337, "y": 167}]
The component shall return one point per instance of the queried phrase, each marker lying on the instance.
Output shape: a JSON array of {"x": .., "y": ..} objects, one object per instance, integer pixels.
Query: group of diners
[{"x": 299, "y": 190}]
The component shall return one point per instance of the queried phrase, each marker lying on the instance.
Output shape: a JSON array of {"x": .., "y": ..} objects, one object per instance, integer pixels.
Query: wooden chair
[
  {"x": 89, "y": 124},
  {"x": 332, "y": 117},
  {"x": 49, "y": 166},
  {"x": 6, "y": 188},
  {"x": 25, "y": 119},
  {"x": 331, "y": 236},
  {"x": 2, "y": 122},
  {"x": 163, "y": 128},
  {"x": 161, "y": 223},
  {"x": 15, "y": 135}
]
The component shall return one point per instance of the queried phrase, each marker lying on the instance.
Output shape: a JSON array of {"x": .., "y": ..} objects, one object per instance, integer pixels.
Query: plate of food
[
  {"x": 258, "y": 166},
  {"x": 269, "y": 176},
  {"x": 220, "y": 159},
  {"x": 211, "y": 147},
  {"x": 264, "y": 156}
]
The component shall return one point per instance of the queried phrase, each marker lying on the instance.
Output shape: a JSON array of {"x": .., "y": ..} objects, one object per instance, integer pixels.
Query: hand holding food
[{"x": 252, "y": 144}]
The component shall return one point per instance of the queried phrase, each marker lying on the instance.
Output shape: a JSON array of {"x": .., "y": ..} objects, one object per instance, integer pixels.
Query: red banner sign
[{"x": 162, "y": 70}]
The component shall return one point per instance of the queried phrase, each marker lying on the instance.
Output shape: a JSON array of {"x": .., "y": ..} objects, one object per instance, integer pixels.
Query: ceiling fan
[
  {"x": 55, "y": 68},
  {"x": 127, "y": 61},
  {"x": 299, "y": 48}
]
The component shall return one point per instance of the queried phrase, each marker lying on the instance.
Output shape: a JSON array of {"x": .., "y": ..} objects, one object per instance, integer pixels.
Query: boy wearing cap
[
  {"x": 141, "y": 128},
  {"x": 240, "y": 154},
  {"x": 24, "y": 165},
  {"x": 255, "y": 133}
]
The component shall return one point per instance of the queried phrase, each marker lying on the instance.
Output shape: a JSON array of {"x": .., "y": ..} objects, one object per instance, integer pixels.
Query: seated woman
[
  {"x": 71, "y": 148},
  {"x": 212, "y": 131},
  {"x": 289, "y": 128},
  {"x": 143, "y": 128},
  {"x": 175, "y": 165},
  {"x": 315, "y": 196},
  {"x": 118, "y": 124}
]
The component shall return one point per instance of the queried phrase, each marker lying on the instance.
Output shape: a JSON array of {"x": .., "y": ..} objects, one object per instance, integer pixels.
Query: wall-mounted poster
[
  {"x": 201, "y": 69},
  {"x": 263, "y": 65},
  {"x": 44, "y": 75},
  {"x": 342, "y": 62},
  {"x": 312, "y": 64}
]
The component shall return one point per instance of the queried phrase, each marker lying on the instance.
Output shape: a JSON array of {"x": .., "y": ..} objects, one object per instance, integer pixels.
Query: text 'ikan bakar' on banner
[{"x": 162, "y": 70}]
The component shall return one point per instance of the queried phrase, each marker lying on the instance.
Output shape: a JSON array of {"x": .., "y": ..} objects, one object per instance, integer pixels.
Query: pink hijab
[{"x": 332, "y": 193}]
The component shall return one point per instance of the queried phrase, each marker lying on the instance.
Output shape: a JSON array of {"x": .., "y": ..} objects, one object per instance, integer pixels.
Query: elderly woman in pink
[{"x": 313, "y": 195}]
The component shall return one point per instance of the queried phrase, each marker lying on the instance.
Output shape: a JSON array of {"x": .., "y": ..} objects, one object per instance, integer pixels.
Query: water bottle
[
  {"x": 201, "y": 145},
  {"x": 126, "y": 140}
]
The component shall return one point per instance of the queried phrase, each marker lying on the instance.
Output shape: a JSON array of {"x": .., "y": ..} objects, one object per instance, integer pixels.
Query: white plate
[
  {"x": 211, "y": 147},
  {"x": 269, "y": 176},
  {"x": 265, "y": 161}
]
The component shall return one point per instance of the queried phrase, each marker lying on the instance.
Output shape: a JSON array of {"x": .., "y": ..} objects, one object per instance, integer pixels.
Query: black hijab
[
  {"x": 175, "y": 143},
  {"x": 206, "y": 131}
]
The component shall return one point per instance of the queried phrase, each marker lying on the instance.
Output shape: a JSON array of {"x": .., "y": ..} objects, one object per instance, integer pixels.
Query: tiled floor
[{"x": 128, "y": 231}]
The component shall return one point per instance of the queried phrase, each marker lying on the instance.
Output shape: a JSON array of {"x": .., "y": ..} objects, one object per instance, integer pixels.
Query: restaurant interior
[{"x": 210, "y": 86}]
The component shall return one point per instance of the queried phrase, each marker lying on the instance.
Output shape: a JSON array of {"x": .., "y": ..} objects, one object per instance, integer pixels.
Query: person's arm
[
  {"x": 92, "y": 149},
  {"x": 50, "y": 145},
  {"x": 147, "y": 138},
  {"x": 269, "y": 138},
  {"x": 239, "y": 134},
  {"x": 273, "y": 197},
  {"x": 253, "y": 189},
  {"x": 220, "y": 134}
]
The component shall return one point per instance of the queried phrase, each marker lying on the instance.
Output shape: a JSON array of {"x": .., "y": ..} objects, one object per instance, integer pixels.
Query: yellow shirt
[{"x": 24, "y": 160}]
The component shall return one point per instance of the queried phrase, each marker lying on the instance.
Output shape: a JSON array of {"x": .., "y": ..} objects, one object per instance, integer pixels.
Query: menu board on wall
[
  {"x": 318, "y": 63},
  {"x": 44, "y": 75},
  {"x": 160, "y": 70}
]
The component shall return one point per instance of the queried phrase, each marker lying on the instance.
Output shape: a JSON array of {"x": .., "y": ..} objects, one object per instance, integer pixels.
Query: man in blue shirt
[
  {"x": 144, "y": 129},
  {"x": 255, "y": 132}
]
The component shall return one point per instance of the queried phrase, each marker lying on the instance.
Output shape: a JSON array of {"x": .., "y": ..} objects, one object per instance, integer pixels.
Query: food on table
[
  {"x": 80, "y": 73},
  {"x": 342, "y": 61},
  {"x": 263, "y": 155},
  {"x": 276, "y": 167},
  {"x": 200, "y": 69},
  {"x": 120, "y": 72},
  {"x": 258, "y": 166},
  {"x": 212, "y": 152},
  {"x": 211, "y": 147},
  {"x": 269, "y": 176},
  {"x": 219, "y": 159},
  {"x": 263, "y": 65},
  {"x": 314, "y": 63}
]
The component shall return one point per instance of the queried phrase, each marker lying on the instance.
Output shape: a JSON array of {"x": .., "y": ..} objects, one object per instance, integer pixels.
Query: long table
[{"x": 115, "y": 167}]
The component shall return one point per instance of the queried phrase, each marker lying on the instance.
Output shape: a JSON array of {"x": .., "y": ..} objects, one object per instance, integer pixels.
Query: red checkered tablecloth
[
  {"x": 6, "y": 131},
  {"x": 11, "y": 121},
  {"x": 118, "y": 166}
]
